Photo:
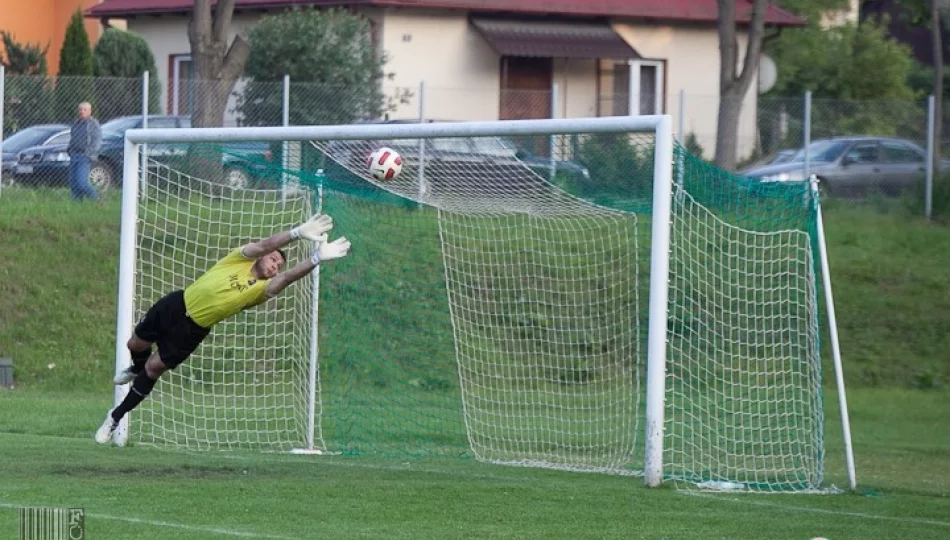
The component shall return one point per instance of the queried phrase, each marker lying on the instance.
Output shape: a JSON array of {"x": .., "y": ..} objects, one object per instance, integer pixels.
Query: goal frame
[{"x": 659, "y": 125}]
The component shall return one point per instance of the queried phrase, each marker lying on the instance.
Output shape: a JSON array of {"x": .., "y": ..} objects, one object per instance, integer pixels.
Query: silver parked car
[{"x": 854, "y": 165}]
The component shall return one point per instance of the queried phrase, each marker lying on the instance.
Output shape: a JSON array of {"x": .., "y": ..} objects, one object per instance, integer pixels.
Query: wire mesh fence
[{"x": 39, "y": 111}]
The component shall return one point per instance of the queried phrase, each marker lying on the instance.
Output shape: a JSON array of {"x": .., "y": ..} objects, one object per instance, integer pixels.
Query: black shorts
[{"x": 167, "y": 323}]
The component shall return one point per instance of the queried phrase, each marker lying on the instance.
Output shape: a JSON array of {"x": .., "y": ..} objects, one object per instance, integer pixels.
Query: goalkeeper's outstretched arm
[
  {"x": 325, "y": 251},
  {"x": 313, "y": 229}
]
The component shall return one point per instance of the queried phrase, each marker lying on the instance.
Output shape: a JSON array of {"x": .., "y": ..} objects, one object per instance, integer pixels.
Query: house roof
[
  {"x": 553, "y": 39},
  {"x": 696, "y": 11}
]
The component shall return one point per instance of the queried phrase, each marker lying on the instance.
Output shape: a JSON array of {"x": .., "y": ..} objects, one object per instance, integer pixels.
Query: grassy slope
[
  {"x": 892, "y": 294},
  {"x": 58, "y": 275},
  {"x": 58, "y": 279}
]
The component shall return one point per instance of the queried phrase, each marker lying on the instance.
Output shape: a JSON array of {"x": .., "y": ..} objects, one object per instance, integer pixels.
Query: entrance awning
[{"x": 553, "y": 39}]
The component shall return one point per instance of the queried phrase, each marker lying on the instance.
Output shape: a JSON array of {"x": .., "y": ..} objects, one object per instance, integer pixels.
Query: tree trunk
[
  {"x": 734, "y": 86},
  {"x": 217, "y": 65},
  {"x": 727, "y": 128},
  {"x": 936, "y": 24}
]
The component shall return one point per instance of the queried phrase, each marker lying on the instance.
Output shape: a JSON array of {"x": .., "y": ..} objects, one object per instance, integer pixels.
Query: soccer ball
[{"x": 384, "y": 164}]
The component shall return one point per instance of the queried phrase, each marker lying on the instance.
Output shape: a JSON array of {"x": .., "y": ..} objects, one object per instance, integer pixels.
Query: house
[
  {"x": 846, "y": 14},
  {"x": 44, "y": 22},
  {"x": 500, "y": 59}
]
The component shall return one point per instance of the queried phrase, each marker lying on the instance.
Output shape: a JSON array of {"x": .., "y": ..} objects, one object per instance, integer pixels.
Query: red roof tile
[{"x": 665, "y": 10}]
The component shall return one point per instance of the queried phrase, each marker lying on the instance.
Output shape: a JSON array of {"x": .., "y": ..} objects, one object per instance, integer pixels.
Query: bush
[
  {"x": 27, "y": 91},
  {"x": 618, "y": 166},
  {"x": 328, "y": 55},
  {"x": 693, "y": 147},
  {"x": 75, "y": 56},
  {"x": 119, "y": 60},
  {"x": 940, "y": 211},
  {"x": 74, "y": 84}
]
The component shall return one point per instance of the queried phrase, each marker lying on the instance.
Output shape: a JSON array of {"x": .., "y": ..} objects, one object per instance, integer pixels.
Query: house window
[
  {"x": 632, "y": 87},
  {"x": 620, "y": 99},
  {"x": 647, "y": 78},
  {"x": 182, "y": 91}
]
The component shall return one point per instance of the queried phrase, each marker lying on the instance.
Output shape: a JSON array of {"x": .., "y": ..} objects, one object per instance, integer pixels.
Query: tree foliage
[
  {"x": 74, "y": 84},
  {"x": 851, "y": 61},
  {"x": 813, "y": 11},
  {"x": 121, "y": 53},
  {"x": 75, "y": 56},
  {"x": 932, "y": 13},
  {"x": 858, "y": 75},
  {"x": 26, "y": 92},
  {"x": 23, "y": 59},
  {"x": 329, "y": 57},
  {"x": 119, "y": 60}
]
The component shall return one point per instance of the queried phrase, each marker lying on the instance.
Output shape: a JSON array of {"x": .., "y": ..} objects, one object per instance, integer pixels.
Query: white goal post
[{"x": 662, "y": 220}]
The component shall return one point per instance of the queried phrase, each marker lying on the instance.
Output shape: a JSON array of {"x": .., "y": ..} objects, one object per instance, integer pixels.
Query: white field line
[
  {"x": 805, "y": 509},
  {"x": 165, "y": 524},
  {"x": 413, "y": 467}
]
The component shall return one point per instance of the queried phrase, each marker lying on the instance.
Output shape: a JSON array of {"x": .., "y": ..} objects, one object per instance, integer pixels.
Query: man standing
[{"x": 85, "y": 140}]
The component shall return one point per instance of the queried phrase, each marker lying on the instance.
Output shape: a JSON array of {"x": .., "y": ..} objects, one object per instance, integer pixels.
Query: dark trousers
[{"x": 79, "y": 166}]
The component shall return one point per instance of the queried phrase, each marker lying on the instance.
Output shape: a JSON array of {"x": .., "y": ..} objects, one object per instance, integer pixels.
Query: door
[
  {"x": 526, "y": 87},
  {"x": 526, "y": 94},
  {"x": 633, "y": 87},
  {"x": 901, "y": 166},
  {"x": 649, "y": 88},
  {"x": 182, "y": 87},
  {"x": 858, "y": 170}
]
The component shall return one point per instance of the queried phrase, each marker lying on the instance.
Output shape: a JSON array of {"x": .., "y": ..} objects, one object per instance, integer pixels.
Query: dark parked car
[
  {"x": 25, "y": 138},
  {"x": 853, "y": 165},
  {"x": 49, "y": 164}
]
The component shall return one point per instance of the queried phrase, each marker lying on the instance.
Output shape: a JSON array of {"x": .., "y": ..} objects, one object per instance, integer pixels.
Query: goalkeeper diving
[{"x": 182, "y": 319}]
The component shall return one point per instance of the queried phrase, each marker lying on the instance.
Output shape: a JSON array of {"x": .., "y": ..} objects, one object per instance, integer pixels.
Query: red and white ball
[{"x": 384, "y": 164}]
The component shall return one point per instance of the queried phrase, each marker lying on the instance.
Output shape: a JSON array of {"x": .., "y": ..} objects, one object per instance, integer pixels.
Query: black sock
[
  {"x": 138, "y": 359},
  {"x": 141, "y": 387}
]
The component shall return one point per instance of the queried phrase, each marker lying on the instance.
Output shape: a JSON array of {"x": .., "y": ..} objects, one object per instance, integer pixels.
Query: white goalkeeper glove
[
  {"x": 327, "y": 250},
  {"x": 314, "y": 228}
]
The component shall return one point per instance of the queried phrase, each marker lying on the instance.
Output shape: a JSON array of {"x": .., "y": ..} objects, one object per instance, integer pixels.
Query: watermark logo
[{"x": 52, "y": 524}]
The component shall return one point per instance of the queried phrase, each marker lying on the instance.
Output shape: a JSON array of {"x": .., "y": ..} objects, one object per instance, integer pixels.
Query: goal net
[
  {"x": 510, "y": 297},
  {"x": 247, "y": 384}
]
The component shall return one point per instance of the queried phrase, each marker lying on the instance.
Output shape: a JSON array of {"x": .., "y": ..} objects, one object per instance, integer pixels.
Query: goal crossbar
[{"x": 612, "y": 124}]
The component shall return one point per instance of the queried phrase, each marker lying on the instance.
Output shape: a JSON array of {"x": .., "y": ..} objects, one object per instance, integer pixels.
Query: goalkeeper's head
[{"x": 267, "y": 266}]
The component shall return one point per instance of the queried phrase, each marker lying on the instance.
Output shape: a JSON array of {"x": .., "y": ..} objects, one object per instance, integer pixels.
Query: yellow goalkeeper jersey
[{"x": 224, "y": 290}]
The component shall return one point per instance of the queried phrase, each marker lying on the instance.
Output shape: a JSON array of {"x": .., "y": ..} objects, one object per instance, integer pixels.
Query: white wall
[
  {"x": 692, "y": 65},
  {"x": 460, "y": 70},
  {"x": 167, "y": 35},
  {"x": 576, "y": 80},
  {"x": 850, "y": 14}
]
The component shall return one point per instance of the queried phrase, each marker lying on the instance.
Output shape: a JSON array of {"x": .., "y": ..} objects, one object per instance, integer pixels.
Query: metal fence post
[
  {"x": 681, "y": 123},
  {"x": 680, "y": 152},
  {"x": 285, "y": 146},
  {"x": 931, "y": 149},
  {"x": 552, "y": 142},
  {"x": 3, "y": 103},
  {"x": 143, "y": 160},
  {"x": 807, "y": 133},
  {"x": 422, "y": 143}
]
